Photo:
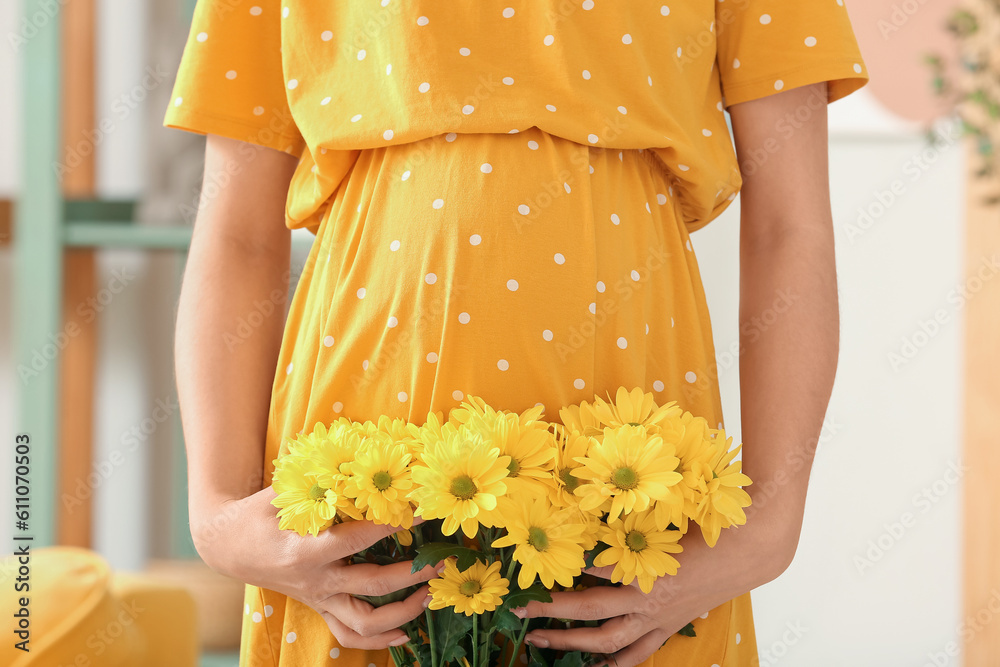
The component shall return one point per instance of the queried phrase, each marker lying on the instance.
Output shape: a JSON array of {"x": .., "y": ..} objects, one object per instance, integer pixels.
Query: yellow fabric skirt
[{"x": 522, "y": 268}]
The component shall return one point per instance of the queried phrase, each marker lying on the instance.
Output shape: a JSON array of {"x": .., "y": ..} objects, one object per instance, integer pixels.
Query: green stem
[
  {"x": 475, "y": 640},
  {"x": 428, "y": 614},
  {"x": 399, "y": 547},
  {"x": 510, "y": 571},
  {"x": 520, "y": 640}
]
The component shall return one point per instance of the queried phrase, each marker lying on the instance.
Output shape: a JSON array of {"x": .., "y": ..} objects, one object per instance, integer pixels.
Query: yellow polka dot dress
[{"x": 501, "y": 193}]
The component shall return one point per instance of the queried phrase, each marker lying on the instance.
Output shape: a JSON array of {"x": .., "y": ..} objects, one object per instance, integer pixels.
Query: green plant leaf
[
  {"x": 571, "y": 659},
  {"x": 535, "y": 657},
  {"x": 505, "y": 623},
  {"x": 449, "y": 630},
  {"x": 435, "y": 552},
  {"x": 687, "y": 630},
  {"x": 521, "y": 598}
]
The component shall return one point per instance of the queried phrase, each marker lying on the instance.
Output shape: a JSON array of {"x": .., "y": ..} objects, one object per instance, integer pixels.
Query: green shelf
[
  {"x": 219, "y": 660},
  {"x": 110, "y": 234}
]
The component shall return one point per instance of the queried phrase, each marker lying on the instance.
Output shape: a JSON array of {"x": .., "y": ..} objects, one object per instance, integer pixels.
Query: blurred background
[{"x": 899, "y": 560}]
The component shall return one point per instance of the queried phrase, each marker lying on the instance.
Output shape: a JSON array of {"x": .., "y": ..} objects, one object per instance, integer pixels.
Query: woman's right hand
[{"x": 242, "y": 540}]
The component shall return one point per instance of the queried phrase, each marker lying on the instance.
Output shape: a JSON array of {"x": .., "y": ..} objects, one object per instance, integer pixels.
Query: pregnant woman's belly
[{"x": 522, "y": 268}]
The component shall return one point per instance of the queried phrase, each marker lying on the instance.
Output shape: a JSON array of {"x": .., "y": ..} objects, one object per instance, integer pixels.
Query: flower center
[
  {"x": 625, "y": 479},
  {"x": 317, "y": 492},
  {"x": 538, "y": 539},
  {"x": 382, "y": 480},
  {"x": 571, "y": 481},
  {"x": 469, "y": 588},
  {"x": 635, "y": 541},
  {"x": 463, "y": 488},
  {"x": 513, "y": 467}
]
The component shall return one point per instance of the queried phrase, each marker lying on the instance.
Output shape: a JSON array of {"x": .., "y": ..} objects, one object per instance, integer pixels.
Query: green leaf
[
  {"x": 505, "y": 623},
  {"x": 423, "y": 650},
  {"x": 687, "y": 630},
  {"x": 449, "y": 630},
  {"x": 535, "y": 657},
  {"x": 589, "y": 556},
  {"x": 521, "y": 598},
  {"x": 571, "y": 659},
  {"x": 435, "y": 552}
]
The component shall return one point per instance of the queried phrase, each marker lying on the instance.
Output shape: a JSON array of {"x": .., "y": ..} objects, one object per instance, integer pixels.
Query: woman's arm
[
  {"x": 238, "y": 264},
  {"x": 239, "y": 258},
  {"x": 788, "y": 280}
]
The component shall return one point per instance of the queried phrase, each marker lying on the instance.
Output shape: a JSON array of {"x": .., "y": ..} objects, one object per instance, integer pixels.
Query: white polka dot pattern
[
  {"x": 495, "y": 232},
  {"x": 477, "y": 66}
]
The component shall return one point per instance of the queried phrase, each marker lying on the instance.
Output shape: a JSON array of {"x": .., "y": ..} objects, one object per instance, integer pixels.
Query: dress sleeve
[
  {"x": 766, "y": 46},
  {"x": 230, "y": 79}
]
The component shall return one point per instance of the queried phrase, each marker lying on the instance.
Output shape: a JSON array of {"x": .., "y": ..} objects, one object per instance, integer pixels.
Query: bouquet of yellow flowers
[{"x": 516, "y": 507}]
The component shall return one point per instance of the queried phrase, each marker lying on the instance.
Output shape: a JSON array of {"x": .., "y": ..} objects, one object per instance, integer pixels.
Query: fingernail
[
  {"x": 427, "y": 601},
  {"x": 399, "y": 642},
  {"x": 537, "y": 641},
  {"x": 519, "y": 612}
]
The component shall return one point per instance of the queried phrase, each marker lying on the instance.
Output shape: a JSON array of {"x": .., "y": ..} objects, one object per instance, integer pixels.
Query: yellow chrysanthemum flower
[
  {"x": 687, "y": 434},
  {"x": 304, "y": 442},
  {"x": 722, "y": 499},
  {"x": 459, "y": 480},
  {"x": 635, "y": 408},
  {"x": 528, "y": 442},
  {"x": 638, "y": 550},
  {"x": 581, "y": 419},
  {"x": 478, "y": 589},
  {"x": 627, "y": 470},
  {"x": 332, "y": 452},
  {"x": 434, "y": 428},
  {"x": 305, "y": 505},
  {"x": 548, "y": 543},
  {"x": 472, "y": 407},
  {"x": 592, "y": 530},
  {"x": 570, "y": 445},
  {"x": 380, "y": 481}
]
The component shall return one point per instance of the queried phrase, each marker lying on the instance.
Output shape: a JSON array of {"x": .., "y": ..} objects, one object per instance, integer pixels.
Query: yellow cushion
[
  {"x": 166, "y": 616},
  {"x": 82, "y": 615}
]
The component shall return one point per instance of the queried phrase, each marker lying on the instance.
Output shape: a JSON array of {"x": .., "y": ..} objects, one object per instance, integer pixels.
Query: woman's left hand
[{"x": 638, "y": 625}]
